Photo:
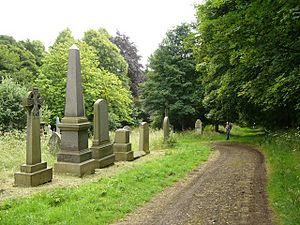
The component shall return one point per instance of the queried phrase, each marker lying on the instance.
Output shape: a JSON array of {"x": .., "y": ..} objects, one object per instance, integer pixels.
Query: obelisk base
[
  {"x": 76, "y": 169},
  {"x": 33, "y": 175},
  {"x": 103, "y": 155}
]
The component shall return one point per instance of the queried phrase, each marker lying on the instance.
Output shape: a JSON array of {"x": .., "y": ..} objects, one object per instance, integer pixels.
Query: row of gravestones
[{"x": 75, "y": 157}]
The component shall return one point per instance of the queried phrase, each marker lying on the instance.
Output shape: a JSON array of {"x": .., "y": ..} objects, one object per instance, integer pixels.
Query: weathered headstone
[
  {"x": 34, "y": 172},
  {"x": 48, "y": 130},
  {"x": 127, "y": 128},
  {"x": 75, "y": 157},
  {"x": 166, "y": 129},
  {"x": 54, "y": 143},
  {"x": 198, "y": 126},
  {"x": 102, "y": 148},
  {"x": 57, "y": 122},
  {"x": 144, "y": 138},
  {"x": 122, "y": 147}
]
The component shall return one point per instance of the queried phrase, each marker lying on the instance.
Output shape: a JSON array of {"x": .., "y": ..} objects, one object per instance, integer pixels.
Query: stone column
[
  {"x": 102, "y": 148},
  {"x": 122, "y": 147},
  {"x": 75, "y": 157},
  {"x": 198, "y": 126},
  {"x": 34, "y": 172},
  {"x": 144, "y": 138},
  {"x": 166, "y": 129}
]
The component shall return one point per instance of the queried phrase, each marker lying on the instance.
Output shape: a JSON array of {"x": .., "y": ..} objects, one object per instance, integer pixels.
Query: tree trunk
[{"x": 216, "y": 127}]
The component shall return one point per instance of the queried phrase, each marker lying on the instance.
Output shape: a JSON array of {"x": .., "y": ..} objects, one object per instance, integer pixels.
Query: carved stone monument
[
  {"x": 102, "y": 148},
  {"x": 75, "y": 157},
  {"x": 122, "y": 147},
  {"x": 166, "y": 127},
  {"x": 198, "y": 126},
  {"x": 34, "y": 172},
  {"x": 57, "y": 122},
  {"x": 144, "y": 138}
]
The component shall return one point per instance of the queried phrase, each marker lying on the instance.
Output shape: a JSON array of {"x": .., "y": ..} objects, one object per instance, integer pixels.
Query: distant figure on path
[{"x": 228, "y": 128}]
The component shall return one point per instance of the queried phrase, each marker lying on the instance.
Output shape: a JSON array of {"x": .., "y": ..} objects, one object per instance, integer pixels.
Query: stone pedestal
[
  {"x": 102, "y": 148},
  {"x": 144, "y": 138},
  {"x": 75, "y": 158},
  {"x": 122, "y": 147},
  {"x": 34, "y": 172}
]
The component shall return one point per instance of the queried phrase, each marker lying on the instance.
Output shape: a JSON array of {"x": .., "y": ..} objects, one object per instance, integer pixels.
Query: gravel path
[{"x": 229, "y": 189}]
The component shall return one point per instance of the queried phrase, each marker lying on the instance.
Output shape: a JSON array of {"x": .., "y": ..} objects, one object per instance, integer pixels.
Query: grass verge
[{"x": 110, "y": 198}]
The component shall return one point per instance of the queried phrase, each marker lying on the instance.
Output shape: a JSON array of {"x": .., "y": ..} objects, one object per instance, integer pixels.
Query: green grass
[{"x": 110, "y": 198}]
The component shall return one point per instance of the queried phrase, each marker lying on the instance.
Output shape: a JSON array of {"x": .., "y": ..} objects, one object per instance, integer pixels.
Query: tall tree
[
  {"x": 248, "y": 53},
  {"x": 37, "y": 48},
  {"x": 172, "y": 81},
  {"x": 130, "y": 53},
  {"x": 108, "y": 53},
  {"x": 97, "y": 83}
]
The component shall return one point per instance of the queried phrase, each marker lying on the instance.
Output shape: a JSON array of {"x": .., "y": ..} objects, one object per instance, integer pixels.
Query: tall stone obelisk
[{"x": 75, "y": 157}]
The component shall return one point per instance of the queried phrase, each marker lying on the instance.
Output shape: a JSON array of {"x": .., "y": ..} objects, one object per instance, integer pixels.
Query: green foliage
[
  {"x": 248, "y": 53},
  {"x": 97, "y": 83},
  {"x": 12, "y": 113},
  {"x": 172, "y": 81},
  {"x": 110, "y": 198},
  {"x": 108, "y": 53},
  {"x": 37, "y": 48},
  {"x": 17, "y": 62},
  {"x": 130, "y": 54}
]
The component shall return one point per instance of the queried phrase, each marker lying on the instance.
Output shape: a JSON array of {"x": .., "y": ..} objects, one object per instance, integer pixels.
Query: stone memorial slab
[
  {"x": 198, "y": 126},
  {"x": 166, "y": 129},
  {"x": 144, "y": 138},
  {"x": 34, "y": 172},
  {"x": 102, "y": 148},
  {"x": 75, "y": 158},
  {"x": 122, "y": 147},
  {"x": 54, "y": 143}
]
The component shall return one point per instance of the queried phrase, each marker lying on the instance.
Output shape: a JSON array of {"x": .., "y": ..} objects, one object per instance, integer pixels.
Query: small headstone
[
  {"x": 48, "y": 130},
  {"x": 127, "y": 128},
  {"x": 34, "y": 172},
  {"x": 102, "y": 148},
  {"x": 166, "y": 129},
  {"x": 57, "y": 122},
  {"x": 54, "y": 143},
  {"x": 75, "y": 157},
  {"x": 122, "y": 147},
  {"x": 144, "y": 138},
  {"x": 198, "y": 126}
]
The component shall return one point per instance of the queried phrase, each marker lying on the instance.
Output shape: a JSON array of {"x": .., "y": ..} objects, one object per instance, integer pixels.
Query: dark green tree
[
  {"x": 130, "y": 54},
  {"x": 172, "y": 82}
]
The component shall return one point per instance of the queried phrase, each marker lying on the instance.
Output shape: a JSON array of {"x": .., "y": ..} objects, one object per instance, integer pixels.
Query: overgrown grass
[{"x": 110, "y": 198}]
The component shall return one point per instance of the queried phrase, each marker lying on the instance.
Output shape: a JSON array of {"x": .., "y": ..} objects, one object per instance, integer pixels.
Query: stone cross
[
  {"x": 32, "y": 104},
  {"x": 198, "y": 126},
  {"x": 166, "y": 129},
  {"x": 144, "y": 138},
  {"x": 34, "y": 172}
]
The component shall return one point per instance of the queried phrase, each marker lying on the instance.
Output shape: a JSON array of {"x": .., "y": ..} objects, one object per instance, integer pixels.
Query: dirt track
[{"x": 229, "y": 189}]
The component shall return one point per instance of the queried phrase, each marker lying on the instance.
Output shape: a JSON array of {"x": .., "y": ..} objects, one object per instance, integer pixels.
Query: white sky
[{"x": 144, "y": 21}]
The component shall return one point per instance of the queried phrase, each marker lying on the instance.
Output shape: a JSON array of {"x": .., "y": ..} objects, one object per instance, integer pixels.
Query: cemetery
[{"x": 207, "y": 132}]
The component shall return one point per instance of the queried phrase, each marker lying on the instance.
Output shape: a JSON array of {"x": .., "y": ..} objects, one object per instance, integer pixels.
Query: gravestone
[
  {"x": 127, "y": 128},
  {"x": 144, "y": 138},
  {"x": 122, "y": 147},
  {"x": 166, "y": 129},
  {"x": 102, "y": 148},
  {"x": 54, "y": 143},
  {"x": 75, "y": 158},
  {"x": 57, "y": 122},
  {"x": 34, "y": 172},
  {"x": 198, "y": 126},
  {"x": 48, "y": 130}
]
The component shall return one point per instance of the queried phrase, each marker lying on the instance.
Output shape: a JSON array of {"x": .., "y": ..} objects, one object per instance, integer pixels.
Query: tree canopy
[
  {"x": 172, "y": 81},
  {"x": 248, "y": 54}
]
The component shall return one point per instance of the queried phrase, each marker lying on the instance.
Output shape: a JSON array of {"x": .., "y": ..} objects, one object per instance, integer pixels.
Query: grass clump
[{"x": 110, "y": 198}]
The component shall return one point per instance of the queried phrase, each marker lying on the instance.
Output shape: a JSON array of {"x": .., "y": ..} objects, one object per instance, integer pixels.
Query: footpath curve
[{"x": 229, "y": 189}]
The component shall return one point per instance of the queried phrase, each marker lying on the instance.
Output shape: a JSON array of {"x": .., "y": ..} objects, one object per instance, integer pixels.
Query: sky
[{"x": 144, "y": 21}]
